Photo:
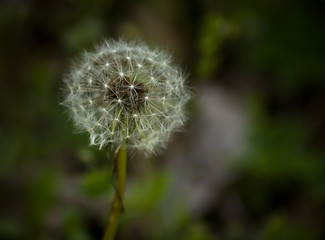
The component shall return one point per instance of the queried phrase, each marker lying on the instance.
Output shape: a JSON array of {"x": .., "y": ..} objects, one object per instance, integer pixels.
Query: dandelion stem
[{"x": 117, "y": 205}]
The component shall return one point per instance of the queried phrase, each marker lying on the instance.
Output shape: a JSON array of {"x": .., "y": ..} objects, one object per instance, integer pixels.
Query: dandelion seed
[{"x": 112, "y": 104}]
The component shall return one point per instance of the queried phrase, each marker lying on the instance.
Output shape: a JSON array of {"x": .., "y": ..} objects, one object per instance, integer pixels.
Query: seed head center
[{"x": 127, "y": 92}]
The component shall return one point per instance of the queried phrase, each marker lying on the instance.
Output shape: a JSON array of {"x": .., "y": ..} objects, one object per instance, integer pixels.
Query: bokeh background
[{"x": 249, "y": 164}]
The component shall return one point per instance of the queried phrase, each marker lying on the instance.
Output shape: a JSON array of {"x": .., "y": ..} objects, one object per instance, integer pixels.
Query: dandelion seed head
[{"x": 112, "y": 103}]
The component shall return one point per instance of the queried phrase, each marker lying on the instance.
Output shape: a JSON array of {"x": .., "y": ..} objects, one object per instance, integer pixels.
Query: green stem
[{"x": 117, "y": 204}]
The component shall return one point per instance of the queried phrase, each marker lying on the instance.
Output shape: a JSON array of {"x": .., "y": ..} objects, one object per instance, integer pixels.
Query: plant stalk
[{"x": 117, "y": 205}]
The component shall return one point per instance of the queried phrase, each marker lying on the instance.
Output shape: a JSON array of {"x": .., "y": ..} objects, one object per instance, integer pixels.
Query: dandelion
[
  {"x": 126, "y": 93},
  {"x": 128, "y": 96}
]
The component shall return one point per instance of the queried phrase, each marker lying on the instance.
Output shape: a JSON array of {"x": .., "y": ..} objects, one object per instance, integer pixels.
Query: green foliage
[
  {"x": 73, "y": 227},
  {"x": 198, "y": 231},
  {"x": 38, "y": 200},
  {"x": 278, "y": 151},
  {"x": 213, "y": 33},
  {"x": 280, "y": 43},
  {"x": 9, "y": 228},
  {"x": 278, "y": 228},
  {"x": 96, "y": 183},
  {"x": 82, "y": 34},
  {"x": 145, "y": 193}
]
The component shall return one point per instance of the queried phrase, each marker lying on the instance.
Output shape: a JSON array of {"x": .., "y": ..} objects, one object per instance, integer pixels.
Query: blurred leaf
[
  {"x": 144, "y": 194},
  {"x": 82, "y": 34},
  {"x": 213, "y": 32},
  {"x": 86, "y": 155},
  {"x": 278, "y": 228},
  {"x": 9, "y": 228},
  {"x": 96, "y": 183},
  {"x": 198, "y": 231},
  {"x": 277, "y": 151},
  {"x": 236, "y": 231},
  {"x": 287, "y": 45},
  {"x": 39, "y": 197},
  {"x": 73, "y": 226}
]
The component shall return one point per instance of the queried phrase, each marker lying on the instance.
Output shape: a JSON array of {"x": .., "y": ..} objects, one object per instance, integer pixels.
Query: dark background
[{"x": 250, "y": 163}]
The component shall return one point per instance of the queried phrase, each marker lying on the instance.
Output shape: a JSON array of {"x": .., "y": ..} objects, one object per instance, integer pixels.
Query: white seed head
[{"x": 138, "y": 100}]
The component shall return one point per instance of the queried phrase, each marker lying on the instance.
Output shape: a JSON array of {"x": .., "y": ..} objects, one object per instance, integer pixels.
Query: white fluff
[{"x": 126, "y": 93}]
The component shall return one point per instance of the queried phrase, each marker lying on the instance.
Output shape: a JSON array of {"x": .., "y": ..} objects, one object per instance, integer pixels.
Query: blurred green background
[{"x": 250, "y": 163}]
